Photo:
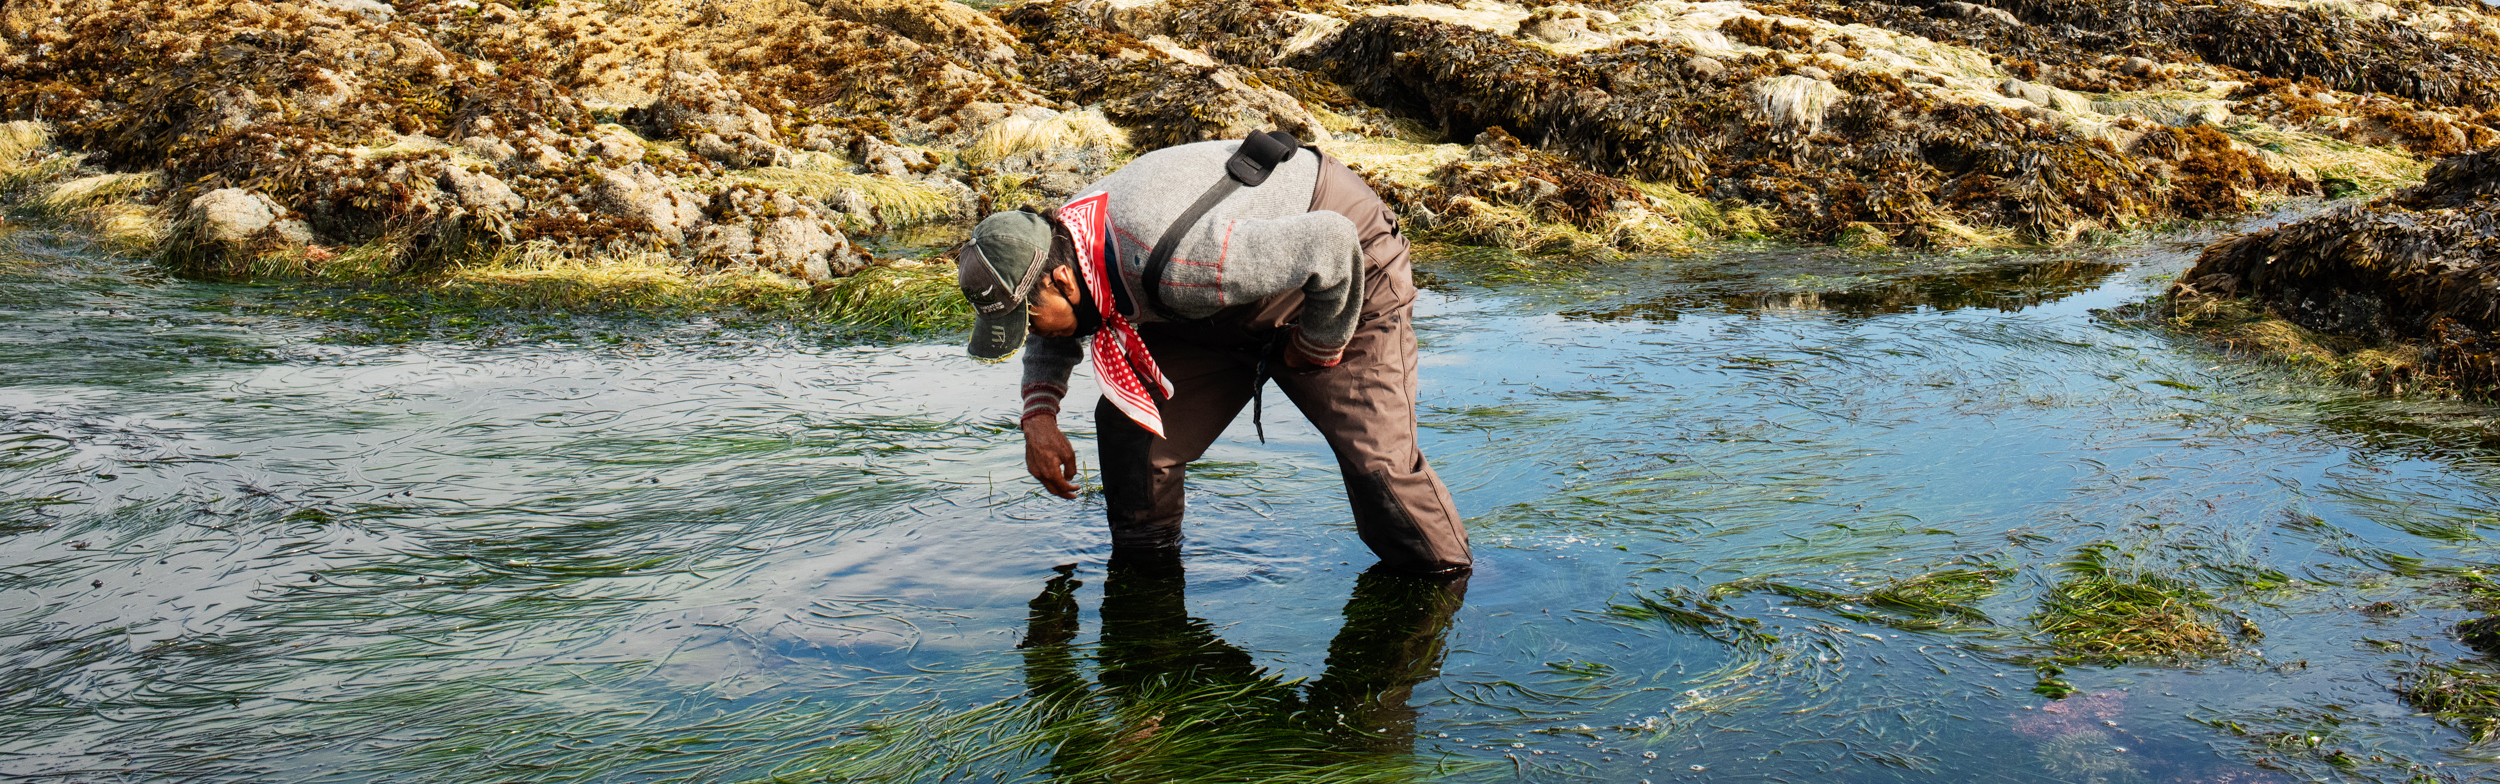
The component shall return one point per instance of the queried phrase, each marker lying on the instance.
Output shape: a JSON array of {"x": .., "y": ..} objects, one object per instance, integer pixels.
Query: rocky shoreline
[
  {"x": 2400, "y": 293},
  {"x": 806, "y": 141}
]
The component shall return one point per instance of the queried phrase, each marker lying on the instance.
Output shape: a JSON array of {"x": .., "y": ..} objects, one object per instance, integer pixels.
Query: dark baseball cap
[{"x": 998, "y": 269}]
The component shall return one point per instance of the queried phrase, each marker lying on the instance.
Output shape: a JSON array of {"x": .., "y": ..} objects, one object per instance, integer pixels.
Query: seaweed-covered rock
[
  {"x": 962, "y": 31},
  {"x": 2438, "y": 53},
  {"x": 444, "y": 131},
  {"x": 1504, "y": 193},
  {"x": 1050, "y": 154},
  {"x": 1927, "y": 160},
  {"x": 1166, "y": 92},
  {"x": 2417, "y": 266}
]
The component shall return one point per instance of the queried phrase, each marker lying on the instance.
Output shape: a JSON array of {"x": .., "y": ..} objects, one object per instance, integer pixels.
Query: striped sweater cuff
[
  {"x": 1323, "y": 356},
  {"x": 1042, "y": 399}
]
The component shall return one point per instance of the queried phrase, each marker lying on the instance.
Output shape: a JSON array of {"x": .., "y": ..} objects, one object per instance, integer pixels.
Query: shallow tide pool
[{"x": 234, "y": 547}]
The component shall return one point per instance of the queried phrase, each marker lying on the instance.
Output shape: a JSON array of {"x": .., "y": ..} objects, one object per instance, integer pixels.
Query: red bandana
[{"x": 1120, "y": 359}]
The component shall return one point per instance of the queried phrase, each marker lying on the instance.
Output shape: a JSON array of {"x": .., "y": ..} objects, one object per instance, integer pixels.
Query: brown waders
[{"x": 1364, "y": 406}]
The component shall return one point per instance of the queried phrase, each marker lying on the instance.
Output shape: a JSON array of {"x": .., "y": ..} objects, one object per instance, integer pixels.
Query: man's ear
[{"x": 1064, "y": 277}]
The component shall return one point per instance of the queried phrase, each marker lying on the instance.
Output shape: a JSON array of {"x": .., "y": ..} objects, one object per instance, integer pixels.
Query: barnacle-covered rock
[
  {"x": 638, "y": 194},
  {"x": 715, "y": 121},
  {"x": 777, "y": 232},
  {"x": 481, "y": 194},
  {"x": 234, "y": 218},
  {"x": 222, "y": 231},
  {"x": 375, "y": 10},
  {"x": 2419, "y": 267}
]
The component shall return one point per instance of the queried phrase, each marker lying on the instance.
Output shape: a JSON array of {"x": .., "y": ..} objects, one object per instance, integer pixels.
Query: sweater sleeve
[
  {"x": 1047, "y": 363},
  {"x": 1317, "y": 252}
]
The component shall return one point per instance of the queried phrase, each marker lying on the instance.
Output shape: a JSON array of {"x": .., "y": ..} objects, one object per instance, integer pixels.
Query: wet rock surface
[
  {"x": 448, "y": 132},
  {"x": 2416, "y": 268}
]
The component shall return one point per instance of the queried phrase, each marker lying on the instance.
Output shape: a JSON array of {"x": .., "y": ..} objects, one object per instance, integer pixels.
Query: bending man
[{"x": 1294, "y": 270}]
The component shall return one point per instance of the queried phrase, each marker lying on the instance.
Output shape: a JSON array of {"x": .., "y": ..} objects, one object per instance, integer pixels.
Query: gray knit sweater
[{"x": 1258, "y": 242}]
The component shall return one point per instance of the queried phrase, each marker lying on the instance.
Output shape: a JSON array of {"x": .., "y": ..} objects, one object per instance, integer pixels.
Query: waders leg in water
[{"x": 1364, "y": 407}]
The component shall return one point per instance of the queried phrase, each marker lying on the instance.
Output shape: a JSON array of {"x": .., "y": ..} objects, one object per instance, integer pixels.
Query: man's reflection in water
[{"x": 1171, "y": 689}]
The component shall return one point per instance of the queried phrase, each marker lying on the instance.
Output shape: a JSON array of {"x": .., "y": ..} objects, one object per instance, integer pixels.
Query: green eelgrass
[
  {"x": 1934, "y": 599},
  {"x": 482, "y": 303},
  {"x": 484, "y": 642},
  {"x": 2106, "y": 613},
  {"x": 2461, "y": 696},
  {"x": 1692, "y": 611}
]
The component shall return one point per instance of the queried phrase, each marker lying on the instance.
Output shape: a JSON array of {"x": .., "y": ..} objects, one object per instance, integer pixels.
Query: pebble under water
[{"x": 235, "y": 547}]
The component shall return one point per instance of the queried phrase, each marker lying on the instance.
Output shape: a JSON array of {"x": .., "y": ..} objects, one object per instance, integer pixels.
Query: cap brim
[{"x": 995, "y": 337}]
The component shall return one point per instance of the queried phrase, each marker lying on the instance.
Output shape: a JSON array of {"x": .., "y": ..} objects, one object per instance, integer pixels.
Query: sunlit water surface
[{"x": 233, "y": 548}]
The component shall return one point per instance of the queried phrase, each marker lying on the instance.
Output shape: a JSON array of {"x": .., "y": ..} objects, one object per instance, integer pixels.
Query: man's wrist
[
  {"x": 1041, "y": 399},
  {"x": 1314, "y": 354}
]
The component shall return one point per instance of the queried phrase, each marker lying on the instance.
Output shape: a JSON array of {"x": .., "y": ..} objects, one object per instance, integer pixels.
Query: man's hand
[{"x": 1048, "y": 456}]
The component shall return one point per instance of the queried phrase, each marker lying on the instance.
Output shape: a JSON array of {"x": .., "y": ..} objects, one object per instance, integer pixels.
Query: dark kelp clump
[
  {"x": 2410, "y": 273},
  {"x": 2083, "y": 44}
]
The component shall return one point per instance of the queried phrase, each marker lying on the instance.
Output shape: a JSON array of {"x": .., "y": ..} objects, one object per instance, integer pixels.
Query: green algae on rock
[{"x": 2403, "y": 286}]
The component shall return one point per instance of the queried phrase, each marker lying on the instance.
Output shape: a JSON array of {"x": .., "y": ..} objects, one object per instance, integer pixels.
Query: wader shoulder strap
[{"x": 1259, "y": 155}]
